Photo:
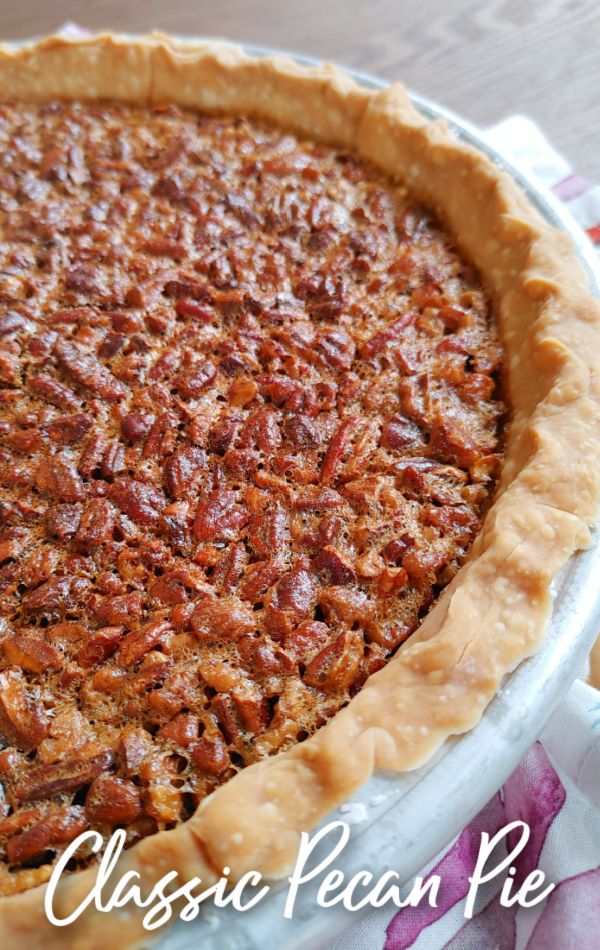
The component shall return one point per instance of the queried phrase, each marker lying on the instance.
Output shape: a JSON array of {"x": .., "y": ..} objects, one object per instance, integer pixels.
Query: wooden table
[{"x": 484, "y": 58}]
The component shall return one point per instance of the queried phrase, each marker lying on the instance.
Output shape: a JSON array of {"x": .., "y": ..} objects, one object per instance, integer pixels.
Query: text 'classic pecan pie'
[{"x": 259, "y": 327}]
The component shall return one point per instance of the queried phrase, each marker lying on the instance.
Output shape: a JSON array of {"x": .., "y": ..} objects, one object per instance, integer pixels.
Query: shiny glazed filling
[{"x": 249, "y": 420}]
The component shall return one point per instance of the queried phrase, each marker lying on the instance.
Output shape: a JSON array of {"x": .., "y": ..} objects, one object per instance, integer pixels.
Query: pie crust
[{"x": 495, "y": 611}]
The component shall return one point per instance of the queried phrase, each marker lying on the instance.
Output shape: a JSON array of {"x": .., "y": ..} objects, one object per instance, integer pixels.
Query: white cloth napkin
[
  {"x": 519, "y": 138},
  {"x": 556, "y": 788}
]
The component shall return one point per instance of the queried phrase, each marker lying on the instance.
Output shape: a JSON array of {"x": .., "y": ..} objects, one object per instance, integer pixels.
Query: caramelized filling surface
[{"x": 249, "y": 419}]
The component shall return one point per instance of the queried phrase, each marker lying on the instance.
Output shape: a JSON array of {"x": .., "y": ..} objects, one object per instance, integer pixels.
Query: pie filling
[{"x": 249, "y": 424}]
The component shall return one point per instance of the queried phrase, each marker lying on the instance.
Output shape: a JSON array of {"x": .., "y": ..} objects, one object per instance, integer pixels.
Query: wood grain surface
[{"x": 483, "y": 58}]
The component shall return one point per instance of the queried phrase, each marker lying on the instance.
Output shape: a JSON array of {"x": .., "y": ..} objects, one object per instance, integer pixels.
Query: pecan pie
[{"x": 259, "y": 331}]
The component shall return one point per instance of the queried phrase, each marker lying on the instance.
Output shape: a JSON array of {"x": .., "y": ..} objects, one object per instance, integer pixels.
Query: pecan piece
[
  {"x": 165, "y": 365},
  {"x": 451, "y": 441},
  {"x": 62, "y": 521},
  {"x": 325, "y": 295},
  {"x": 163, "y": 802},
  {"x": 395, "y": 549},
  {"x": 182, "y": 729},
  {"x": 301, "y": 431},
  {"x": 123, "y": 609},
  {"x": 22, "y": 717},
  {"x": 162, "y": 247},
  {"x": 187, "y": 308},
  {"x": 391, "y": 580},
  {"x": 224, "y": 619},
  {"x": 346, "y": 605},
  {"x": 242, "y": 391},
  {"x": 135, "y": 426},
  {"x": 56, "y": 594},
  {"x": 31, "y": 653},
  {"x": 88, "y": 371},
  {"x": 422, "y": 566},
  {"x": 162, "y": 426},
  {"x": 97, "y": 523},
  {"x": 58, "y": 828},
  {"x": 318, "y": 499},
  {"x": 13, "y": 542},
  {"x": 92, "y": 455},
  {"x": 223, "y": 433},
  {"x": 26, "y": 441},
  {"x": 219, "y": 517},
  {"x": 337, "y": 349},
  {"x": 252, "y": 708},
  {"x": 400, "y": 433},
  {"x": 42, "y": 345},
  {"x": 269, "y": 531},
  {"x": 336, "y": 666},
  {"x": 137, "y": 643},
  {"x": 140, "y": 502},
  {"x": 261, "y": 431},
  {"x": 125, "y": 322},
  {"x": 99, "y": 646},
  {"x": 380, "y": 340},
  {"x": 457, "y": 520},
  {"x": 259, "y": 578},
  {"x": 71, "y": 315},
  {"x": 181, "y": 689},
  {"x": 174, "y": 588},
  {"x": 40, "y": 565},
  {"x": 230, "y": 569},
  {"x": 53, "y": 392},
  {"x": 113, "y": 460},
  {"x": 183, "y": 469},
  {"x": 13, "y": 824},
  {"x": 337, "y": 448},
  {"x": 241, "y": 464},
  {"x": 12, "y": 322},
  {"x": 107, "y": 679},
  {"x": 307, "y": 639},
  {"x": 47, "y": 780},
  {"x": 289, "y": 602},
  {"x": 195, "y": 377},
  {"x": 263, "y": 658},
  {"x": 223, "y": 708},
  {"x": 210, "y": 755},
  {"x": 135, "y": 745},
  {"x": 176, "y": 529},
  {"x": 477, "y": 387},
  {"x": 333, "y": 568},
  {"x": 69, "y": 430},
  {"x": 59, "y": 479},
  {"x": 113, "y": 801}
]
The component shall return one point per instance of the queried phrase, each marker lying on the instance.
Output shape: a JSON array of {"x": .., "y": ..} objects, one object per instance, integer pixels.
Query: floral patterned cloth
[{"x": 555, "y": 789}]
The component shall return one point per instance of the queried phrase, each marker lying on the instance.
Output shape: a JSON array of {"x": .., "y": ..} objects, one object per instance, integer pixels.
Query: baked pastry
[{"x": 252, "y": 401}]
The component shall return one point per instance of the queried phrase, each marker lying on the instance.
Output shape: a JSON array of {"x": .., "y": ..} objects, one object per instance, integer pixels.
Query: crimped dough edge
[{"x": 495, "y": 611}]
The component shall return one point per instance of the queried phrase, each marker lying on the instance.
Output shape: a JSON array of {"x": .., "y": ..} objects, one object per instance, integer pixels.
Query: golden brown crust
[
  {"x": 220, "y": 77},
  {"x": 102, "y": 67},
  {"x": 495, "y": 611}
]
